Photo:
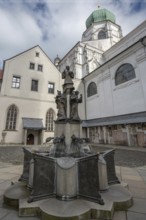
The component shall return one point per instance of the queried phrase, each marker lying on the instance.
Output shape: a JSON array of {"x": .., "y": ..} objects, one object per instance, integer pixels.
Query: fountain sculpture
[{"x": 68, "y": 181}]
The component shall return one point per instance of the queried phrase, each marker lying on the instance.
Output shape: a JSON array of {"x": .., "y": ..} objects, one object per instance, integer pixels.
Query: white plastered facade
[{"x": 30, "y": 104}]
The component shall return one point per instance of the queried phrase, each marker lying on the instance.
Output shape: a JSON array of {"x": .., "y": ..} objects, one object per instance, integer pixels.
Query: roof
[
  {"x": 1, "y": 74},
  {"x": 116, "y": 120},
  {"x": 98, "y": 15},
  {"x": 29, "y": 50},
  {"x": 69, "y": 51},
  {"x": 33, "y": 123}
]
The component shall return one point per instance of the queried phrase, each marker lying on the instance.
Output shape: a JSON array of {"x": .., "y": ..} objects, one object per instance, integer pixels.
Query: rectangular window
[
  {"x": 32, "y": 66},
  {"x": 37, "y": 54},
  {"x": 34, "y": 85},
  {"x": 51, "y": 87},
  {"x": 40, "y": 68},
  {"x": 16, "y": 82}
]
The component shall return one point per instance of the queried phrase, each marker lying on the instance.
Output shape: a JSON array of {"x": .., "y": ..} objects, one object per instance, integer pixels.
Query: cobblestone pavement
[
  {"x": 124, "y": 156},
  {"x": 14, "y": 154}
]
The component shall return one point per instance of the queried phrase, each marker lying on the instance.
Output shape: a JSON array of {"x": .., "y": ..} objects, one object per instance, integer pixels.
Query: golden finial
[{"x": 98, "y": 5}]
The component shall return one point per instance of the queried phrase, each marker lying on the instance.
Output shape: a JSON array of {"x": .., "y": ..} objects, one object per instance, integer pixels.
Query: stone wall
[{"x": 133, "y": 135}]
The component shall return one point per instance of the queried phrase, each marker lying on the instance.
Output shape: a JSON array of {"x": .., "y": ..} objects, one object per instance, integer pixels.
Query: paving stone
[
  {"x": 138, "y": 192},
  {"x": 119, "y": 215},
  {"x": 135, "y": 183},
  {"x": 13, "y": 215},
  {"x": 142, "y": 168},
  {"x": 3, "y": 212},
  {"x": 135, "y": 216},
  {"x": 128, "y": 170},
  {"x": 2, "y": 165},
  {"x": 132, "y": 177},
  {"x": 1, "y": 180},
  {"x": 7, "y": 176},
  {"x": 13, "y": 169},
  {"x": 142, "y": 173},
  {"x": 139, "y": 206},
  {"x": 4, "y": 185},
  {"x": 1, "y": 192}
]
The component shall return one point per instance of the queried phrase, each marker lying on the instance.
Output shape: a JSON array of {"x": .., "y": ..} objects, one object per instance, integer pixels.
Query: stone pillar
[
  {"x": 108, "y": 135},
  {"x": 88, "y": 133},
  {"x": 104, "y": 134},
  {"x": 128, "y": 135},
  {"x": 42, "y": 137},
  {"x": 99, "y": 134},
  {"x": 25, "y": 136}
]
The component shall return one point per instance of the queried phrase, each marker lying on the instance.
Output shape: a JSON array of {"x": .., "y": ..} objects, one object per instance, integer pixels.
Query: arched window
[
  {"x": 124, "y": 73},
  {"x": 92, "y": 89},
  {"x": 11, "y": 118},
  {"x": 101, "y": 35},
  {"x": 50, "y": 120}
]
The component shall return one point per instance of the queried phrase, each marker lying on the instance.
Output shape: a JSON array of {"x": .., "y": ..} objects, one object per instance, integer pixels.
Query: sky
[{"x": 57, "y": 25}]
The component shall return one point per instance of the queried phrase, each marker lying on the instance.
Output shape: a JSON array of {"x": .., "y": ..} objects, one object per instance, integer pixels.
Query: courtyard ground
[{"x": 131, "y": 171}]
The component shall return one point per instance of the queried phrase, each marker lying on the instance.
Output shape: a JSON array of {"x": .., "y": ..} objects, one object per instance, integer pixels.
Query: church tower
[{"x": 102, "y": 31}]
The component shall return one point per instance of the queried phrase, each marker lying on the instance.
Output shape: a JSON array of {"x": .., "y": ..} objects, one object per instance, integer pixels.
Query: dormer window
[{"x": 37, "y": 54}]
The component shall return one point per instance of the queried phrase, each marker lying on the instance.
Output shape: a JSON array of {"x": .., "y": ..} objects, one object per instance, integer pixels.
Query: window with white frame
[
  {"x": 124, "y": 73},
  {"x": 92, "y": 89},
  {"x": 50, "y": 120},
  {"x": 51, "y": 87},
  {"x": 11, "y": 118},
  {"x": 16, "y": 82}
]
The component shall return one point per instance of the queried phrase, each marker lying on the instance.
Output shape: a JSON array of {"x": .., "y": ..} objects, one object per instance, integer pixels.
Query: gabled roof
[
  {"x": 29, "y": 50},
  {"x": 69, "y": 51},
  {"x": 1, "y": 74}
]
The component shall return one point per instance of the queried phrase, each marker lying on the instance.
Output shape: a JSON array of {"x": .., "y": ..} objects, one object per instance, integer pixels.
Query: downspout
[
  {"x": 87, "y": 130},
  {"x": 85, "y": 99}
]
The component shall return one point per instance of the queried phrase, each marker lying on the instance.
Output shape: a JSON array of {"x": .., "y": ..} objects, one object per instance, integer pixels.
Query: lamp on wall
[{"x": 143, "y": 41}]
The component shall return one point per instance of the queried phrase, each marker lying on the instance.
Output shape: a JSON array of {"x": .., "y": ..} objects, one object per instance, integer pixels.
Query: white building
[
  {"x": 112, "y": 70},
  {"x": 109, "y": 72},
  {"x": 29, "y": 85}
]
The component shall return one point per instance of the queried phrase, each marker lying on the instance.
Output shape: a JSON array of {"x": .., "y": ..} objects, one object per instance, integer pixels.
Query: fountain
[{"x": 68, "y": 181}]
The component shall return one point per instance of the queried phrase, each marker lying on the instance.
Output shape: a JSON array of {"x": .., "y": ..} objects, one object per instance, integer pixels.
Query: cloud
[{"x": 57, "y": 25}]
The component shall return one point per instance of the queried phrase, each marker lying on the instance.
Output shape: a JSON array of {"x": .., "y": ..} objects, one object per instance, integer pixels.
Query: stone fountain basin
[{"x": 117, "y": 197}]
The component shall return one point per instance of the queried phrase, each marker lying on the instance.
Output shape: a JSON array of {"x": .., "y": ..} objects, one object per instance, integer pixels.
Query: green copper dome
[{"x": 100, "y": 15}]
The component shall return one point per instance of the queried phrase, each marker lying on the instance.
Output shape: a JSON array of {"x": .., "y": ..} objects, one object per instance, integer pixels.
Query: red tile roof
[{"x": 1, "y": 74}]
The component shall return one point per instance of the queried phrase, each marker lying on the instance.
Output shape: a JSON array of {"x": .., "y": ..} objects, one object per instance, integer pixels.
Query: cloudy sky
[{"x": 57, "y": 25}]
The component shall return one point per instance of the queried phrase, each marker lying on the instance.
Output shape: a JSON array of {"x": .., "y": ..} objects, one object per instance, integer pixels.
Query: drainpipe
[
  {"x": 87, "y": 129},
  {"x": 85, "y": 99}
]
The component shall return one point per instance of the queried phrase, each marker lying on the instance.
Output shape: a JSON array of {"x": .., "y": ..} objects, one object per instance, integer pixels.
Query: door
[{"x": 30, "y": 139}]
